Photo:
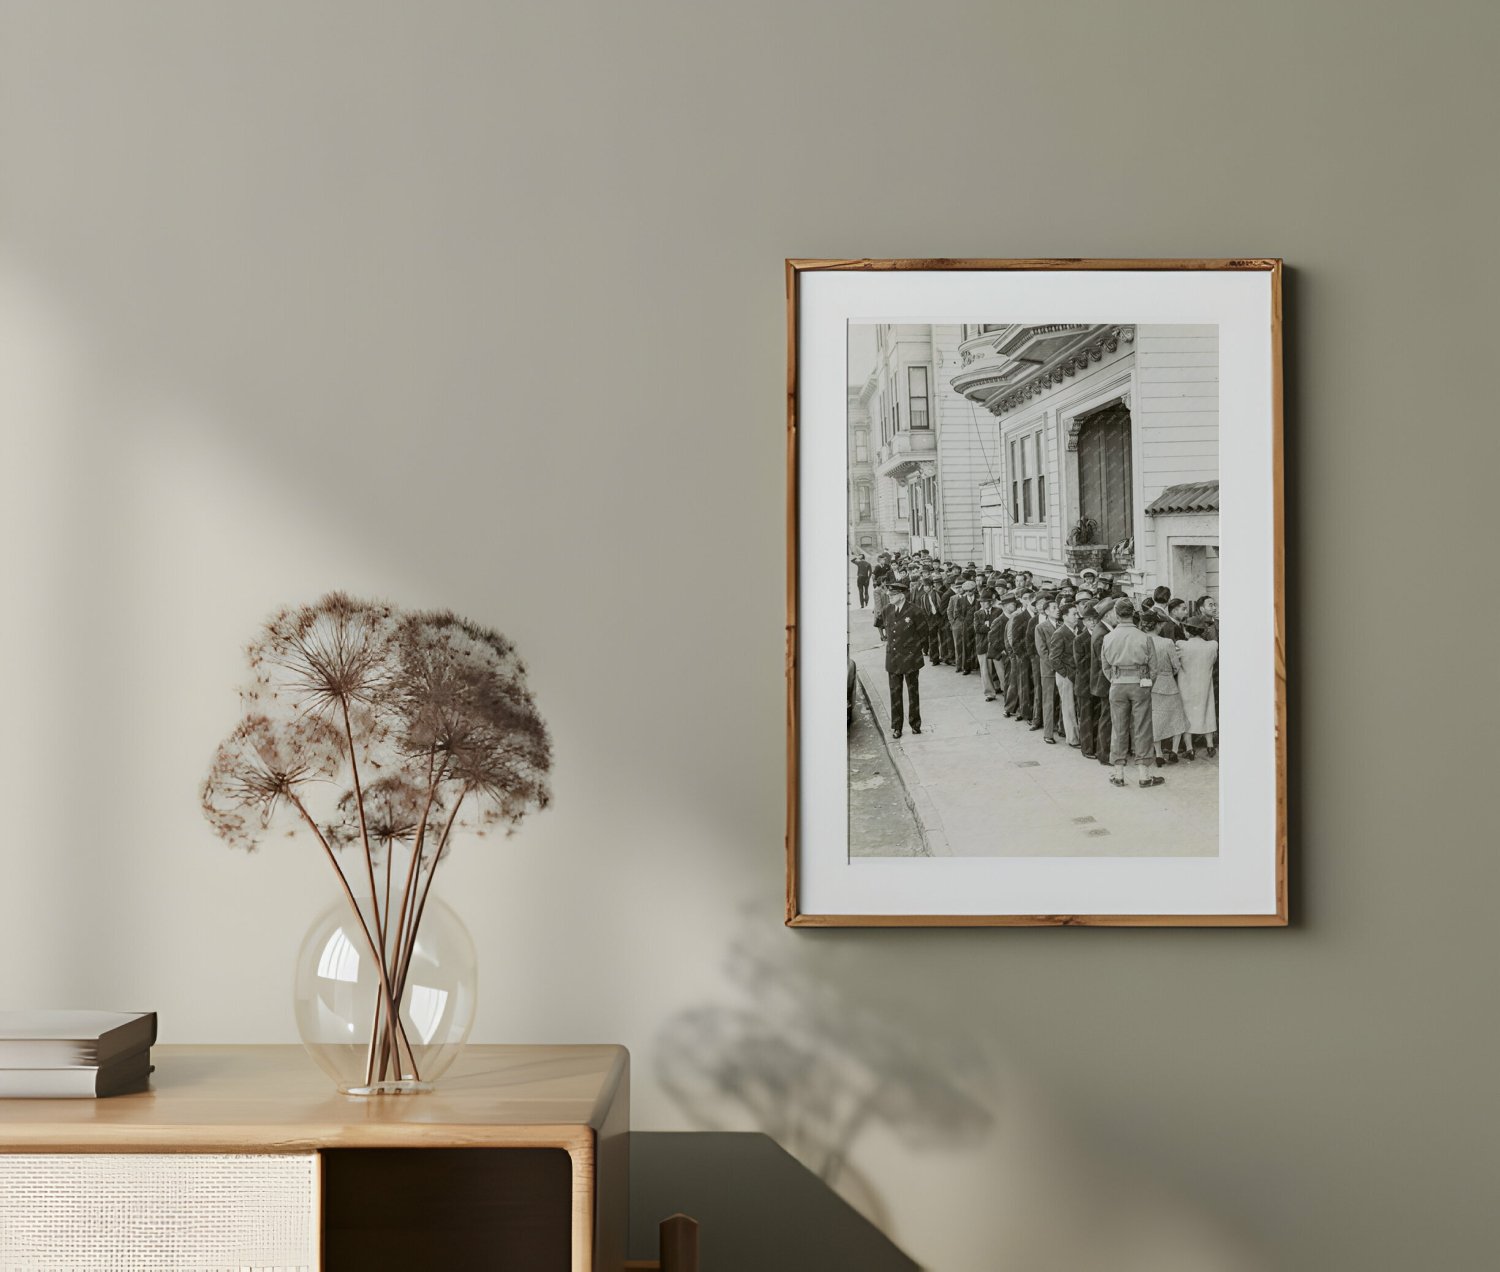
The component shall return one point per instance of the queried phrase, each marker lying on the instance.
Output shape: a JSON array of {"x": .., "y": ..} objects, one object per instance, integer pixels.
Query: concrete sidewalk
[{"x": 985, "y": 786}]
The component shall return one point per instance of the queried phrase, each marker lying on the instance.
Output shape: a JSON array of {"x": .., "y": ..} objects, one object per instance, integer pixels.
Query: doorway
[
  {"x": 1105, "y": 478},
  {"x": 1189, "y": 578}
]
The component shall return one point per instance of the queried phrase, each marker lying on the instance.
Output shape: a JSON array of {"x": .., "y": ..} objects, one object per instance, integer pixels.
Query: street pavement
[
  {"x": 985, "y": 786},
  {"x": 882, "y": 822}
]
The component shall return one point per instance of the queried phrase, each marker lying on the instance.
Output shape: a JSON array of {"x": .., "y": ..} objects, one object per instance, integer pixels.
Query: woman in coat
[
  {"x": 1196, "y": 682},
  {"x": 1168, "y": 720}
]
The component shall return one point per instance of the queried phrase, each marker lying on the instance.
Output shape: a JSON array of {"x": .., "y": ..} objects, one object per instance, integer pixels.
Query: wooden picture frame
[{"x": 899, "y": 296}]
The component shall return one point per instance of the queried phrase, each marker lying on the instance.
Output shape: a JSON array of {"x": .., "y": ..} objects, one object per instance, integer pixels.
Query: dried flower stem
[
  {"x": 403, "y": 965},
  {"x": 364, "y": 837},
  {"x": 385, "y": 984},
  {"x": 364, "y": 832},
  {"x": 434, "y": 778}
]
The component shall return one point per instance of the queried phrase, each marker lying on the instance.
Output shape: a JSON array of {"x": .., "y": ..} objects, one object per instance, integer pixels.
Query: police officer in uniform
[{"x": 903, "y": 628}]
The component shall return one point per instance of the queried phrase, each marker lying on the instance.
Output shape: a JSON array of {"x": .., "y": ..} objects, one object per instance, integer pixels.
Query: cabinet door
[{"x": 421, "y": 1209}]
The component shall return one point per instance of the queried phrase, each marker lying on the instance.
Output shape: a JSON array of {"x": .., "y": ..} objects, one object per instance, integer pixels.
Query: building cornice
[{"x": 1060, "y": 369}]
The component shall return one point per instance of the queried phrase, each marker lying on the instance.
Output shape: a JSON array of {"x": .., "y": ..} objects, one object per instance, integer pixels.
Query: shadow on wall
[
  {"x": 822, "y": 1043},
  {"x": 805, "y": 1062}
]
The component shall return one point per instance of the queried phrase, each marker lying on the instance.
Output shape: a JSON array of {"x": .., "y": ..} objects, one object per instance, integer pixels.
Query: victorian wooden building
[
  {"x": 1046, "y": 447},
  {"x": 1108, "y": 449}
]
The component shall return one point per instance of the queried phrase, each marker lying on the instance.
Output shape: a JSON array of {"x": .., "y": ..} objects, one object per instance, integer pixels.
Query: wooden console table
[{"x": 520, "y": 1158}]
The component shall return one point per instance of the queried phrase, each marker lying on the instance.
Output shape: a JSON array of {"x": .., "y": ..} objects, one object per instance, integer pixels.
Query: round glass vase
[{"x": 340, "y": 1000}]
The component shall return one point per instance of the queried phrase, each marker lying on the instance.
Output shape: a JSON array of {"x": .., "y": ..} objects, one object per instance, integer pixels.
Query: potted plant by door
[{"x": 1083, "y": 552}]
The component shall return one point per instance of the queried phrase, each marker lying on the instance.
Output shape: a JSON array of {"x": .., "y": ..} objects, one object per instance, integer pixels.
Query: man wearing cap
[
  {"x": 916, "y": 587},
  {"x": 1000, "y": 639},
  {"x": 961, "y": 619},
  {"x": 995, "y": 645},
  {"x": 935, "y": 606},
  {"x": 1127, "y": 662},
  {"x": 902, "y": 627},
  {"x": 984, "y": 617}
]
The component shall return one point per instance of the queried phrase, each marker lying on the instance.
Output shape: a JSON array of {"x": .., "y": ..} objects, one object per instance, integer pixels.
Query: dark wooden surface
[
  {"x": 481, "y": 1210},
  {"x": 756, "y": 1206}
]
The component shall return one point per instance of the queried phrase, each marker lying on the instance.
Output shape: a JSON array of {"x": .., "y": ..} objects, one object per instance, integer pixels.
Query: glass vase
[{"x": 341, "y": 1000}]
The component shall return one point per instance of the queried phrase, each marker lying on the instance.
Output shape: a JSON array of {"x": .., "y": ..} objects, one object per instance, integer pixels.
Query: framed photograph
[{"x": 1035, "y": 533}]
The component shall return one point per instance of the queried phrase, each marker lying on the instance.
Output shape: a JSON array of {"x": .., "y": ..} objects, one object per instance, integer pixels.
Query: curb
[{"x": 929, "y": 820}]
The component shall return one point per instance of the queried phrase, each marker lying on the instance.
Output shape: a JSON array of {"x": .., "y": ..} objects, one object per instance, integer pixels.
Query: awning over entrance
[{"x": 1195, "y": 496}]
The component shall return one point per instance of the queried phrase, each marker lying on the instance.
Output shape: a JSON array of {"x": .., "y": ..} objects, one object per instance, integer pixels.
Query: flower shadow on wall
[{"x": 801, "y": 1060}]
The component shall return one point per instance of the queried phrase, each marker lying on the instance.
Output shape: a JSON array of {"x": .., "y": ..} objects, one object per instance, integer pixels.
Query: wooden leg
[{"x": 679, "y": 1244}]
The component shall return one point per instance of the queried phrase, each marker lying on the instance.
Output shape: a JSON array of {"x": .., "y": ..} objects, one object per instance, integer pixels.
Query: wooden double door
[{"x": 1105, "y": 476}]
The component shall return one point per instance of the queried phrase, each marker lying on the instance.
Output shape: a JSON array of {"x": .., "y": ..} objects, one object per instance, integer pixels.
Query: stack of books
[{"x": 50, "y": 1055}]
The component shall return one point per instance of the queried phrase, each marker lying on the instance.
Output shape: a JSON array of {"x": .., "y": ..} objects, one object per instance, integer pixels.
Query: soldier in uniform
[{"x": 1127, "y": 655}]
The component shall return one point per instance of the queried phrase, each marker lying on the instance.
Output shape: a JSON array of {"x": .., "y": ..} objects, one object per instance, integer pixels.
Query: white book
[
  {"x": 120, "y": 1076},
  {"x": 72, "y": 1039}
]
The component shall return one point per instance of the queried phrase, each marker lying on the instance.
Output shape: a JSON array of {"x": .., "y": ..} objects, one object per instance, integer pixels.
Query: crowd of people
[{"x": 1119, "y": 677}]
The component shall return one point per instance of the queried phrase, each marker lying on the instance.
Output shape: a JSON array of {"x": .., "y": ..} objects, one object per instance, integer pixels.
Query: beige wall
[{"x": 481, "y": 305}]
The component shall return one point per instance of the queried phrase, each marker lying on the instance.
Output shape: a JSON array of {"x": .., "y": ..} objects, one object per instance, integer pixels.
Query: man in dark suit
[
  {"x": 1046, "y": 675},
  {"x": 916, "y": 596},
  {"x": 1000, "y": 639},
  {"x": 1017, "y": 643},
  {"x": 942, "y": 593},
  {"x": 1083, "y": 687},
  {"x": 903, "y": 627},
  {"x": 1176, "y": 615},
  {"x": 935, "y": 616},
  {"x": 1160, "y": 596},
  {"x": 961, "y": 620},
  {"x": 984, "y": 618},
  {"x": 1033, "y": 660},
  {"x": 1060, "y": 647}
]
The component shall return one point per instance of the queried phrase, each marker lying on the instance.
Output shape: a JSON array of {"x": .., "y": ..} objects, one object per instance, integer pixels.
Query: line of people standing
[{"x": 1116, "y": 678}]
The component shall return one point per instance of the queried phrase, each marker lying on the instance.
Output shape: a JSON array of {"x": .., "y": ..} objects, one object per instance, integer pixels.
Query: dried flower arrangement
[{"x": 377, "y": 731}]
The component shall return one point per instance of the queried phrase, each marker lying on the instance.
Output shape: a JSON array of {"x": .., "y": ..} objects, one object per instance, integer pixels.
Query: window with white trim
[{"x": 916, "y": 382}]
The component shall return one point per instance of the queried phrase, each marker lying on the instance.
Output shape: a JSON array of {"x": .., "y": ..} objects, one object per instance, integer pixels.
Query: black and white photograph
[
  {"x": 1037, "y": 535},
  {"x": 1033, "y": 589}
]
